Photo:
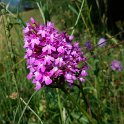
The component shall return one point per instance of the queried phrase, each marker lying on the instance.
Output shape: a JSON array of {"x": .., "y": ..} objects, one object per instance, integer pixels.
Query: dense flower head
[
  {"x": 51, "y": 55},
  {"x": 116, "y": 65},
  {"x": 102, "y": 42}
]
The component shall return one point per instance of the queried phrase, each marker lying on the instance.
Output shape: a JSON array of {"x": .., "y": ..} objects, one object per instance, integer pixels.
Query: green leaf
[
  {"x": 7, "y": 6},
  {"x": 40, "y": 7},
  {"x": 73, "y": 9}
]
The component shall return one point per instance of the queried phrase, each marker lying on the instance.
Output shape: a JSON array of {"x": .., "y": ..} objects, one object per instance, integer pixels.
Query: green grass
[{"x": 104, "y": 88}]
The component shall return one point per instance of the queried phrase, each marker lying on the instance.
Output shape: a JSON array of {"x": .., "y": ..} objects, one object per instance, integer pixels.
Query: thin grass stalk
[
  {"x": 83, "y": 19},
  {"x": 89, "y": 17},
  {"x": 41, "y": 11},
  {"x": 26, "y": 106},
  {"x": 82, "y": 4}
]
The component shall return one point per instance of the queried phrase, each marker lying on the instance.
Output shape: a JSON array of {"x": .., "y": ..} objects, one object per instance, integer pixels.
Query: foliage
[{"x": 98, "y": 100}]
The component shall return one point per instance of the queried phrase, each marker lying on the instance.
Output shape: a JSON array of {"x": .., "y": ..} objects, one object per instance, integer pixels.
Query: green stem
[
  {"x": 80, "y": 87},
  {"x": 60, "y": 106},
  {"x": 91, "y": 120}
]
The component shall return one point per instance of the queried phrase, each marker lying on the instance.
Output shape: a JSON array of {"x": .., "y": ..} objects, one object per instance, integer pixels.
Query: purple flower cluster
[
  {"x": 88, "y": 45},
  {"x": 51, "y": 55},
  {"x": 116, "y": 65},
  {"x": 102, "y": 42}
]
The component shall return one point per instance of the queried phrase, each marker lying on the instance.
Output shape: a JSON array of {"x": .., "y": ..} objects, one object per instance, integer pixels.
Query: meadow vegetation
[{"x": 100, "y": 99}]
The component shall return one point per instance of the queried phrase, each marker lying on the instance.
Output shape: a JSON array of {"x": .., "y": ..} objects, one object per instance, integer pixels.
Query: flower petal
[
  {"x": 47, "y": 80},
  {"x": 38, "y": 85}
]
